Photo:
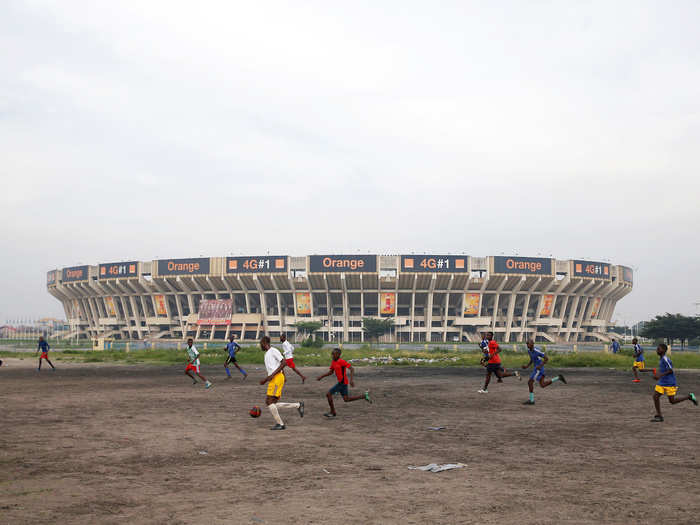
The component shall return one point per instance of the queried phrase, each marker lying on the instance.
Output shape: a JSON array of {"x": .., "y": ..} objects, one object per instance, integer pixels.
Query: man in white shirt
[
  {"x": 193, "y": 363},
  {"x": 288, "y": 350},
  {"x": 274, "y": 363}
]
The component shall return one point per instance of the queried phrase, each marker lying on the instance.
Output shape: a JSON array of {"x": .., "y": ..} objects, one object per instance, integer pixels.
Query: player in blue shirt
[
  {"x": 44, "y": 347},
  {"x": 538, "y": 359},
  {"x": 638, "y": 365},
  {"x": 666, "y": 384},
  {"x": 232, "y": 347},
  {"x": 615, "y": 346}
]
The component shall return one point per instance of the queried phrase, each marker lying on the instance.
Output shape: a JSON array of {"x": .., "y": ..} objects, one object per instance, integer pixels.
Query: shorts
[
  {"x": 494, "y": 367},
  {"x": 537, "y": 374},
  {"x": 666, "y": 390},
  {"x": 275, "y": 386},
  {"x": 290, "y": 362},
  {"x": 339, "y": 388},
  {"x": 639, "y": 365},
  {"x": 44, "y": 355},
  {"x": 194, "y": 368},
  {"x": 232, "y": 358}
]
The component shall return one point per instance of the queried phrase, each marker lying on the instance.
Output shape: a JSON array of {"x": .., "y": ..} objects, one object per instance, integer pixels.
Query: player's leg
[
  {"x": 207, "y": 384},
  {"x": 39, "y": 364},
  {"x": 50, "y": 363},
  {"x": 487, "y": 380},
  {"x": 636, "y": 375},
  {"x": 531, "y": 388},
  {"x": 245, "y": 374},
  {"x": 657, "y": 406},
  {"x": 303, "y": 377},
  {"x": 676, "y": 399},
  {"x": 502, "y": 372},
  {"x": 187, "y": 373},
  {"x": 228, "y": 372},
  {"x": 271, "y": 402}
]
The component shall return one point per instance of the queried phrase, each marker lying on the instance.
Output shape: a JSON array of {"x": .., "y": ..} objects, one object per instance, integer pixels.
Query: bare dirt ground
[{"x": 125, "y": 444}]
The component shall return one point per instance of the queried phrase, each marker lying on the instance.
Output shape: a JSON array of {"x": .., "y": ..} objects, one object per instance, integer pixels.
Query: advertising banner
[
  {"x": 118, "y": 270},
  {"x": 75, "y": 273},
  {"x": 387, "y": 303},
  {"x": 160, "y": 305},
  {"x": 303, "y": 303},
  {"x": 51, "y": 277},
  {"x": 434, "y": 263},
  {"x": 597, "y": 270},
  {"x": 266, "y": 264},
  {"x": 522, "y": 265},
  {"x": 627, "y": 275},
  {"x": 546, "y": 309},
  {"x": 183, "y": 267},
  {"x": 342, "y": 263},
  {"x": 215, "y": 311},
  {"x": 595, "y": 308},
  {"x": 472, "y": 304},
  {"x": 109, "y": 304}
]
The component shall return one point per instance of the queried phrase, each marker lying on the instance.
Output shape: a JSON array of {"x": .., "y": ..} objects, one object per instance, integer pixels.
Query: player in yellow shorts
[
  {"x": 667, "y": 384},
  {"x": 638, "y": 365},
  {"x": 274, "y": 364}
]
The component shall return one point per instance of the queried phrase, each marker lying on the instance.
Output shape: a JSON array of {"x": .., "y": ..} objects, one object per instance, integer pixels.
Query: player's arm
[
  {"x": 545, "y": 359},
  {"x": 659, "y": 376},
  {"x": 283, "y": 363},
  {"x": 352, "y": 375},
  {"x": 324, "y": 375},
  {"x": 528, "y": 364}
]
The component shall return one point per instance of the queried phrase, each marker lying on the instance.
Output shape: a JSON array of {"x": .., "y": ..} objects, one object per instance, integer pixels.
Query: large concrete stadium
[{"x": 431, "y": 298}]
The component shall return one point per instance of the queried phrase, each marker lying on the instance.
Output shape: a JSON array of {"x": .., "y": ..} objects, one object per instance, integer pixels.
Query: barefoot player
[
  {"x": 274, "y": 364},
  {"x": 193, "y": 363},
  {"x": 538, "y": 359},
  {"x": 44, "y": 347},
  {"x": 232, "y": 347},
  {"x": 288, "y": 350},
  {"x": 494, "y": 365},
  {"x": 666, "y": 384},
  {"x": 340, "y": 367}
]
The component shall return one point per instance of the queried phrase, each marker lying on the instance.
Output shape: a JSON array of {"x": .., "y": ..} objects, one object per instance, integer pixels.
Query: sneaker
[
  {"x": 245, "y": 376},
  {"x": 693, "y": 399},
  {"x": 499, "y": 380},
  {"x": 207, "y": 384},
  {"x": 517, "y": 374},
  {"x": 329, "y": 415},
  {"x": 301, "y": 409},
  {"x": 636, "y": 380},
  {"x": 278, "y": 427},
  {"x": 482, "y": 391},
  {"x": 562, "y": 378},
  {"x": 367, "y": 397},
  {"x": 228, "y": 377},
  {"x": 657, "y": 419},
  {"x": 528, "y": 402}
]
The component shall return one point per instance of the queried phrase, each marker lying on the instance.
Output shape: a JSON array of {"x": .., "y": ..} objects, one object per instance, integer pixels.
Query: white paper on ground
[{"x": 434, "y": 467}]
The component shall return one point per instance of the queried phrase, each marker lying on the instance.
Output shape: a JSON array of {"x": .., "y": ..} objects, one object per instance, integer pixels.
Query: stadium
[{"x": 431, "y": 298}]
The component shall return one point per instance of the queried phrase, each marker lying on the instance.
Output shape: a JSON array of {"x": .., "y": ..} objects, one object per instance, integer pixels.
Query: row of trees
[
  {"x": 373, "y": 328},
  {"x": 670, "y": 327}
]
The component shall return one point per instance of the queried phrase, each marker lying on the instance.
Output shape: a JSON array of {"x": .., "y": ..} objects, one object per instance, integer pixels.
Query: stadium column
[
  {"x": 329, "y": 313},
  {"x": 362, "y": 307},
  {"x": 136, "y": 315},
  {"x": 413, "y": 307},
  {"x": 562, "y": 313},
  {"x": 446, "y": 309},
  {"x": 511, "y": 307},
  {"x": 346, "y": 308},
  {"x": 263, "y": 304},
  {"x": 523, "y": 317},
  {"x": 429, "y": 310}
]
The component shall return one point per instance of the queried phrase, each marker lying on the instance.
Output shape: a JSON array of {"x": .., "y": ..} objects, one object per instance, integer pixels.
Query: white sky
[{"x": 137, "y": 130}]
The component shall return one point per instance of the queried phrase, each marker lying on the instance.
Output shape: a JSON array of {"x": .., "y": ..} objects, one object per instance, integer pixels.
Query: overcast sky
[{"x": 139, "y": 130}]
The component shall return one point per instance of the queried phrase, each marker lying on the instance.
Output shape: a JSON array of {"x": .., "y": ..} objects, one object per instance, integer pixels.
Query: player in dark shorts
[
  {"x": 232, "y": 347},
  {"x": 340, "y": 367},
  {"x": 44, "y": 347},
  {"x": 494, "y": 365}
]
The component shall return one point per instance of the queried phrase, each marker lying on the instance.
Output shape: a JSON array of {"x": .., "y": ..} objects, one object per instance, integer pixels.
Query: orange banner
[
  {"x": 303, "y": 303},
  {"x": 387, "y": 303},
  {"x": 160, "y": 305},
  {"x": 109, "y": 303},
  {"x": 547, "y": 301},
  {"x": 472, "y": 304},
  {"x": 596, "y": 307}
]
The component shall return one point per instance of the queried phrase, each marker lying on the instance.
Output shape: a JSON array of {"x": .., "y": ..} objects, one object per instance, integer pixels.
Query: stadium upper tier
[{"x": 432, "y": 298}]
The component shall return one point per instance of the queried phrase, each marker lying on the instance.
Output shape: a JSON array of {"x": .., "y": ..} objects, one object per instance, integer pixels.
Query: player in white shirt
[
  {"x": 193, "y": 363},
  {"x": 288, "y": 350},
  {"x": 274, "y": 363}
]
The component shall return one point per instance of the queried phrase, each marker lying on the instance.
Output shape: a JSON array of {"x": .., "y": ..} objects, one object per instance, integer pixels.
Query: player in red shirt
[
  {"x": 340, "y": 367},
  {"x": 494, "y": 365}
]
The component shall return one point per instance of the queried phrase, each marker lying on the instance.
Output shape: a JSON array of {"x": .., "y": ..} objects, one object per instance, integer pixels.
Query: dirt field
[{"x": 125, "y": 444}]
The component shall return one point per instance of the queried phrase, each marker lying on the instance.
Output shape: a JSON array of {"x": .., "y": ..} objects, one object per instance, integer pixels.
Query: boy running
[
  {"x": 615, "y": 346},
  {"x": 193, "y": 364},
  {"x": 288, "y": 350},
  {"x": 638, "y": 364},
  {"x": 44, "y": 347},
  {"x": 232, "y": 347},
  {"x": 538, "y": 359},
  {"x": 494, "y": 365},
  {"x": 666, "y": 384},
  {"x": 340, "y": 367},
  {"x": 274, "y": 363}
]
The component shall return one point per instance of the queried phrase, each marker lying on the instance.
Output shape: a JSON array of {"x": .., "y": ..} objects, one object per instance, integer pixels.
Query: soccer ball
[{"x": 255, "y": 412}]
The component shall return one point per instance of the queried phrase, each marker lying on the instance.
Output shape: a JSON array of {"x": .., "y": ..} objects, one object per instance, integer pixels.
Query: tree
[
  {"x": 307, "y": 327},
  {"x": 375, "y": 328},
  {"x": 672, "y": 326}
]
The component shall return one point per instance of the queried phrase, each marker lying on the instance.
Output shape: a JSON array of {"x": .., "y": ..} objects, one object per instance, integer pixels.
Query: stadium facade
[{"x": 431, "y": 298}]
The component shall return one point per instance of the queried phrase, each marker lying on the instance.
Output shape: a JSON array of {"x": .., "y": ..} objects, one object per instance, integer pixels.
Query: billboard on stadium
[
  {"x": 215, "y": 311},
  {"x": 627, "y": 274},
  {"x": 118, "y": 270},
  {"x": 265, "y": 264},
  {"x": 596, "y": 270},
  {"x": 342, "y": 263},
  {"x": 75, "y": 273},
  {"x": 547, "y": 301},
  {"x": 161, "y": 310},
  {"x": 596, "y": 307},
  {"x": 387, "y": 303},
  {"x": 51, "y": 277},
  {"x": 434, "y": 263},
  {"x": 472, "y": 304},
  {"x": 198, "y": 266},
  {"x": 109, "y": 305},
  {"x": 522, "y": 265},
  {"x": 303, "y": 303}
]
